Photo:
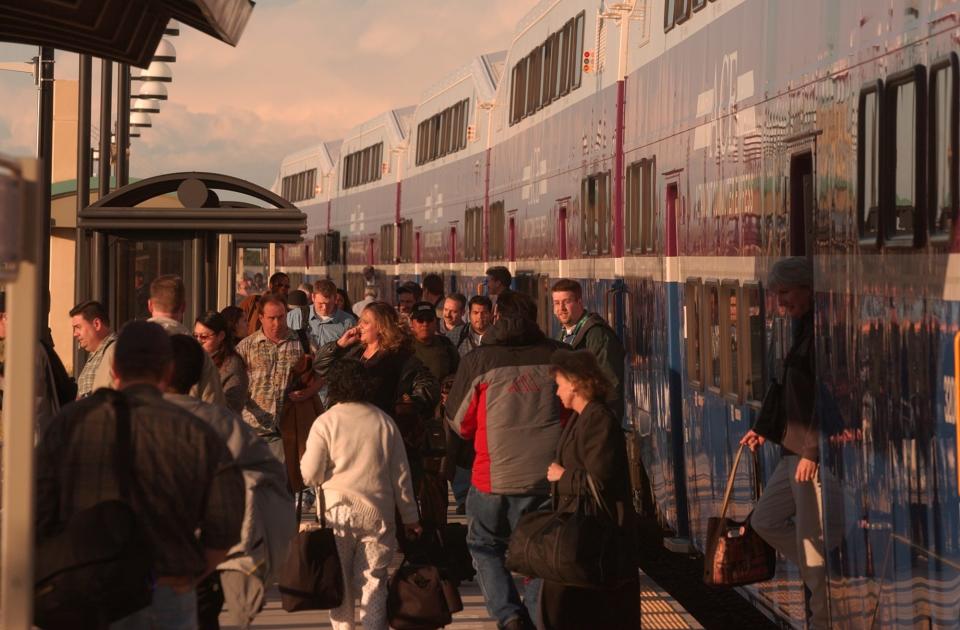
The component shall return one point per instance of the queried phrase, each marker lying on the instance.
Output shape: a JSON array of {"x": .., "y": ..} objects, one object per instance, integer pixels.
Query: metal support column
[
  {"x": 17, "y": 526},
  {"x": 81, "y": 287},
  {"x": 45, "y": 154},
  {"x": 123, "y": 125},
  {"x": 98, "y": 248}
]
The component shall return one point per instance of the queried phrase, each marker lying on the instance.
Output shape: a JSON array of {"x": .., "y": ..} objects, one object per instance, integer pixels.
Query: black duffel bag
[
  {"x": 419, "y": 598},
  {"x": 312, "y": 578},
  {"x": 583, "y": 548},
  {"x": 99, "y": 567}
]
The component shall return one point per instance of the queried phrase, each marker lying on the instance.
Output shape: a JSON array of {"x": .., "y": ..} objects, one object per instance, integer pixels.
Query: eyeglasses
[{"x": 202, "y": 337}]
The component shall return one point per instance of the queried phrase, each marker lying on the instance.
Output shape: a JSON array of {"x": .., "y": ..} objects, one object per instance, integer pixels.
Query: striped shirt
[{"x": 88, "y": 380}]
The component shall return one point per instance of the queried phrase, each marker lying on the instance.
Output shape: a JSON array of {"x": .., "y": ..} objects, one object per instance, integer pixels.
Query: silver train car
[{"x": 666, "y": 153}]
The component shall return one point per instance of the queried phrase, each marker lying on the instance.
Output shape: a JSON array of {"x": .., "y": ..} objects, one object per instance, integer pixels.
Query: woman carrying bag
[
  {"x": 356, "y": 454},
  {"x": 592, "y": 444}
]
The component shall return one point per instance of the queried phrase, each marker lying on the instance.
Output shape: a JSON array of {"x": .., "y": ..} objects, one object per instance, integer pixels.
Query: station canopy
[{"x": 120, "y": 30}]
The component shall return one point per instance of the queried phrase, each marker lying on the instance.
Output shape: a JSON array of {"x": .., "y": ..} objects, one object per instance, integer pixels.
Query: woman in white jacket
[{"x": 356, "y": 454}]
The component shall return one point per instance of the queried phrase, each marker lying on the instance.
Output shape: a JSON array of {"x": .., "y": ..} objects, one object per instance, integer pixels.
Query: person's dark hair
[
  {"x": 231, "y": 315},
  {"x": 568, "y": 286},
  {"x": 297, "y": 298},
  {"x": 500, "y": 274},
  {"x": 433, "y": 283},
  {"x": 218, "y": 324},
  {"x": 143, "y": 351},
  {"x": 459, "y": 298},
  {"x": 410, "y": 287},
  {"x": 325, "y": 287},
  {"x": 514, "y": 304},
  {"x": 581, "y": 368},
  {"x": 278, "y": 279},
  {"x": 187, "y": 363},
  {"x": 347, "y": 304},
  {"x": 482, "y": 300},
  {"x": 271, "y": 298},
  {"x": 91, "y": 310},
  {"x": 348, "y": 381}
]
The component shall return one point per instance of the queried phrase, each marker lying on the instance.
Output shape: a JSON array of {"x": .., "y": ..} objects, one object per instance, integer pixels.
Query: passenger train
[{"x": 666, "y": 153}]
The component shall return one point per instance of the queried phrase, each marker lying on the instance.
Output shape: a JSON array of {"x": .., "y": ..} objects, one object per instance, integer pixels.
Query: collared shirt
[
  {"x": 184, "y": 478},
  {"x": 322, "y": 329},
  {"x": 92, "y": 376},
  {"x": 268, "y": 366}
]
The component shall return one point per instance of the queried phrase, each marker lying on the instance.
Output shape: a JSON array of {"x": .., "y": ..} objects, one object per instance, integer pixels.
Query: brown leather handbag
[{"x": 735, "y": 553}]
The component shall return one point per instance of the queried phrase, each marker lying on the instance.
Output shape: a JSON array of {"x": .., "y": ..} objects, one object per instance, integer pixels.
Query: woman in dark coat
[
  {"x": 403, "y": 387},
  {"x": 592, "y": 442}
]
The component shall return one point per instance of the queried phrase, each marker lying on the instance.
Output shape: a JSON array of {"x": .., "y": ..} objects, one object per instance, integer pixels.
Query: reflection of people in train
[{"x": 788, "y": 514}]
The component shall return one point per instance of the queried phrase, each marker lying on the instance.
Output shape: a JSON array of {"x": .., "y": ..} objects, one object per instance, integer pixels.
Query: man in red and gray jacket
[{"x": 504, "y": 399}]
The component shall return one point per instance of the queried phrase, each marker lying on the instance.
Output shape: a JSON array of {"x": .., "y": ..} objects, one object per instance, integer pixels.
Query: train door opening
[{"x": 801, "y": 204}]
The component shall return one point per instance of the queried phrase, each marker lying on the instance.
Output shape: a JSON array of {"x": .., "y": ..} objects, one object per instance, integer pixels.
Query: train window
[
  {"x": 575, "y": 67},
  {"x": 534, "y": 67},
  {"x": 693, "y": 331},
  {"x": 387, "y": 240},
  {"x": 868, "y": 163},
  {"x": 631, "y": 217},
  {"x": 682, "y": 11},
  {"x": 751, "y": 342},
  {"x": 520, "y": 90},
  {"x": 730, "y": 339},
  {"x": 594, "y": 209},
  {"x": 944, "y": 95},
  {"x": 406, "y": 240},
  {"x": 603, "y": 213},
  {"x": 647, "y": 205},
  {"x": 566, "y": 39},
  {"x": 711, "y": 306},
  {"x": 497, "y": 224},
  {"x": 668, "y": 14},
  {"x": 906, "y": 92},
  {"x": 699, "y": 4},
  {"x": 473, "y": 234}
]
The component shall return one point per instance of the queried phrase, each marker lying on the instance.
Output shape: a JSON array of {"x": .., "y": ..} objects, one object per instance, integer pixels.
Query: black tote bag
[
  {"x": 312, "y": 578},
  {"x": 581, "y": 548}
]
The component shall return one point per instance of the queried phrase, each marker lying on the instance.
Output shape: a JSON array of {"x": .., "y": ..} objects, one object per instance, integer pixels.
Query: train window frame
[
  {"x": 917, "y": 75},
  {"x": 681, "y": 12},
  {"x": 496, "y": 239},
  {"x": 534, "y": 77},
  {"x": 698, "y": 4},
  {"x": 631, "y": 223},
  {"x": 746, "y": 344},
  {"x": 874, "y": 88},
  {"x": 711, "y": 380},
  {"x": 579, "y": 37},
  {"x": 731, "y": 386},
  {"x": 948, "y": 63},
  {"x": 604, "y": 212},
  {"x": 669, "y": 20},
  {"x": 388, "y": 239},
  {"x": 692, "y": 323}
]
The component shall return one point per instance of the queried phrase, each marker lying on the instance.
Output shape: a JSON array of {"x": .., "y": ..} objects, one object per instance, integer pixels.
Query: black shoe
[
  {"x": 518, "y": 623},
  {"x": 461, "y": 509}
]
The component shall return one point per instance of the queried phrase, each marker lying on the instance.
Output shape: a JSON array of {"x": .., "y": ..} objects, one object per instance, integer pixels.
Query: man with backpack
[{"x": 164, "y": 466}]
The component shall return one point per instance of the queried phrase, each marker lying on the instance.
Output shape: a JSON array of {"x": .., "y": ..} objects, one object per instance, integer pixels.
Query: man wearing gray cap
[{"x": 788, "y": 514}]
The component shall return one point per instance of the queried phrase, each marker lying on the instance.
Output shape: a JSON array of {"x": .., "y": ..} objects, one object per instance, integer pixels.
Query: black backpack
[
  {"x": 99, "y": 567},
  {"x": 64, "y": 386}
]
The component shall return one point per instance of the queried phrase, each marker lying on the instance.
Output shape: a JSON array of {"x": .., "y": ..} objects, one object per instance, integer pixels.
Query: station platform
[{"x": 659, "y": 610}]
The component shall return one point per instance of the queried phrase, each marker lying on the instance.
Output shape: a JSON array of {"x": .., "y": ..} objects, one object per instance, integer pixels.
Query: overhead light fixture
[
  {"x": 173, "y": 28},
  {"x": 153, "y": 90},
  {"x": 165, "y": 52},
  {"x": 140, "y": 119},
  {"x": 146, "y": 105},
  {"x": 158, "y": 71},
  {"x": 134, "y": 132}
]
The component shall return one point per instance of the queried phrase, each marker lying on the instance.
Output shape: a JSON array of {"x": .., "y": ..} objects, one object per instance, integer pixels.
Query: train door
[{"x": 801, "y": 199}]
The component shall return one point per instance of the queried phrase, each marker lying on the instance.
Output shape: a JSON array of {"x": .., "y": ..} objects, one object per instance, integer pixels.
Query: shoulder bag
[
  {"x": 735, "y": 553},
  {"x": 99, "y": 567},
  {"x": 312, "y": 578},
  {"x": 581, "y": 548},
  {"x": 421, "y": 593}
]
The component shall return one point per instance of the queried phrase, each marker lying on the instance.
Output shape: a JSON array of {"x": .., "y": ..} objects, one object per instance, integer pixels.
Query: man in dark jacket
[
  {"x": 788, "y": 515},
  {"x": 504, "y": 399},
  {"x": 582, "y": 330}
]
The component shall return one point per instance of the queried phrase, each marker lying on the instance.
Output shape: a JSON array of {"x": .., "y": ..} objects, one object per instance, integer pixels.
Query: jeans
[
  {"x": 491, "y": 518},
  {"x": 169, "y": 610},
  {"x": 461, "y": 485}
]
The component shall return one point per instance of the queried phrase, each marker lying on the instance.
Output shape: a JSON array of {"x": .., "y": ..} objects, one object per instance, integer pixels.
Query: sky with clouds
[{"x": 305, "y": 71}]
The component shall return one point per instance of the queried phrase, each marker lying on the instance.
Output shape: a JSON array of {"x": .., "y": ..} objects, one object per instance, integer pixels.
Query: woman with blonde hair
[
  {"x": 402, "y": 386},
  {"x": 592, "y": 444}
]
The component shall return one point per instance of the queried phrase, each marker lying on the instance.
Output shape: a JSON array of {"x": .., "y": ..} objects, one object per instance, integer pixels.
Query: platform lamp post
[{"x": 146, "y": 100}]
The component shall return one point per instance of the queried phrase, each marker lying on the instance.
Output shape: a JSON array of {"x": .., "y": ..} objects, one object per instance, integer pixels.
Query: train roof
[
  {"x": 485, "y": 70},
  {"x": 395, "y": 121}
]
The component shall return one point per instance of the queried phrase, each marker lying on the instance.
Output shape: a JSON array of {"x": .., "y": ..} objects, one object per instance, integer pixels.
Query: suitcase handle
[{"x": 733, "y": 475}]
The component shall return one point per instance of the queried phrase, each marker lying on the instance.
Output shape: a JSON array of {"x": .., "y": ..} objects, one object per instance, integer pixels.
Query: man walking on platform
[
  {"x": 451, "y": 317},
  {"x": 189, "y": 494},
  {"x": 504, "y": 398},
  {"x": 326, "y": 322},
  {"x": 166, "y": 305},
  {"x": 582, "y": 330},
  {"x": 91, "y": 329},
  {"x": 278, "y": 285},
  {"x": 498, "y": 281},
  {"x": 480, "y": 316}
]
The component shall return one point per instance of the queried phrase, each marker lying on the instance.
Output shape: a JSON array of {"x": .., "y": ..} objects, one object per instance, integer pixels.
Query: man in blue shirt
[{"x": 326, "y": 322}]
